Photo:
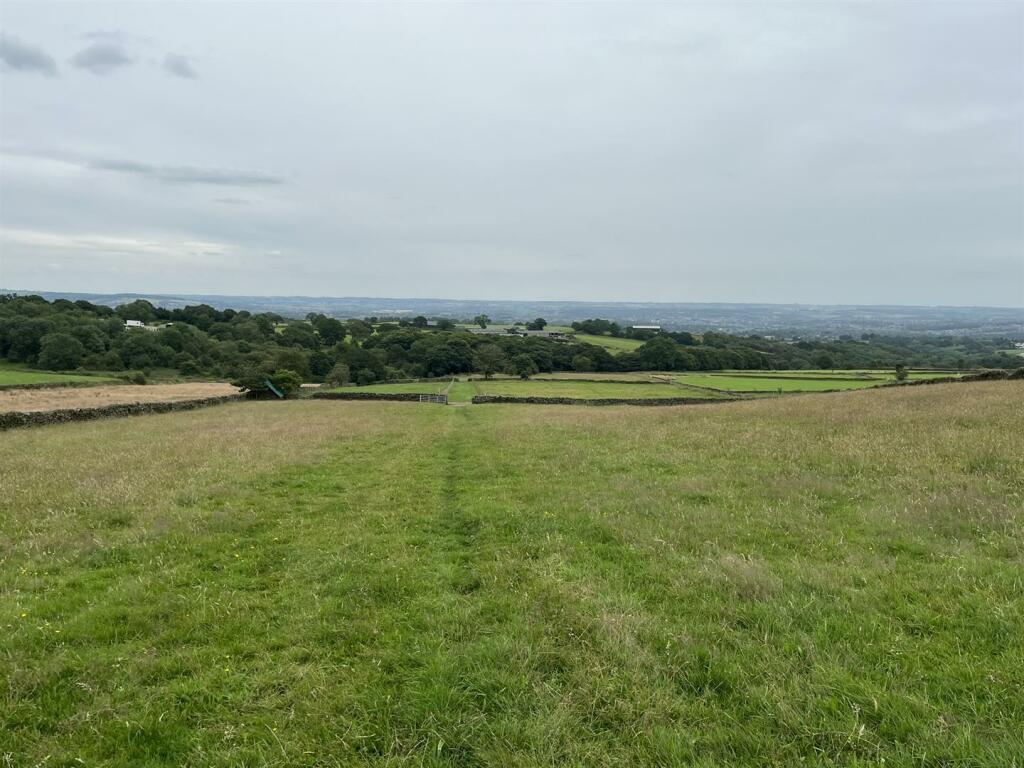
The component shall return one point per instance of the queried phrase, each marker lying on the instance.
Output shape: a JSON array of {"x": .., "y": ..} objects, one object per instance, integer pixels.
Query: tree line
[{"x": 201, "y": 341}]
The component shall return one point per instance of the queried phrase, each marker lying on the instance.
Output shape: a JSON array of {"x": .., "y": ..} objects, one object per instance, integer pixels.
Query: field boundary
[
  {"x": 758, "y": 375},
  {"x": 489, "y": 399},
  {"x": 996, "y": 374},
  {"x": 413, "y": 397},
  {"x": 14, "y": 419},
  {"x": 729, "y": 392}
]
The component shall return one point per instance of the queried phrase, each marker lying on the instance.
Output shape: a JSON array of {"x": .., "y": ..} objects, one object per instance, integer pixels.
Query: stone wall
[{"x": 14, "y": 419}]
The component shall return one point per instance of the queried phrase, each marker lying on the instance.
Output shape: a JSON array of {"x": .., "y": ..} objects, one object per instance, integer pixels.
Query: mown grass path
[{"x": 827, "y": 580}]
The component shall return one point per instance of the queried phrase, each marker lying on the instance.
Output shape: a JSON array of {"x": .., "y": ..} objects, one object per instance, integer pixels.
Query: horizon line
[{"x": 183, "y": 295}]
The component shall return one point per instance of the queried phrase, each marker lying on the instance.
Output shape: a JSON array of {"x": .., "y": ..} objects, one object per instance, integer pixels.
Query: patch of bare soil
[{"x": 30, "y": 400}]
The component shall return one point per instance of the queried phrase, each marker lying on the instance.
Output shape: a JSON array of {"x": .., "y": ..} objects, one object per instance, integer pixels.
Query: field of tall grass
[{"x": 828, "y": 580}]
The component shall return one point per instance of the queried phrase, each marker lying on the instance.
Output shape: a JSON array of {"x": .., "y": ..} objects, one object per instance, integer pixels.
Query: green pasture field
[
  {"x": 13, "y": 374},
  {"x": 805, "y": 374},
  {"x": 457, "y": 392},
  {"x": 463, "y": 391},
  {"x": 419, "y": 387},
  {"x": 746, "y": 383},
  {"x": 611, "y": 343},
  {"x": 326, "y": 583},
  {"x": 582, "y": 389},
  {"x": 885, "y": 374},
  {"x": 613, "y": 375}
]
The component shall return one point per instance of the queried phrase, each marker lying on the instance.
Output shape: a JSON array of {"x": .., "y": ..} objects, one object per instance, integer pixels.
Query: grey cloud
[
  {"x": 648, "y": 151},
  {"x": 184, "y": 174},
  {"x": 231, "y": 201},
  {"x": 21, "y": 57},
  {"x": 179, "y": 66},
  {"x": 102, "y": 58},
  {"x": 167, "y": 174}
]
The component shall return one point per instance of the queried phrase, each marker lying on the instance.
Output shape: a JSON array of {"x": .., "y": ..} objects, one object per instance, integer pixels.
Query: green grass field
[
  {"x": 614, "y": 376},
  {"x": 747, "y": 383},
  {"x": 611, "y": 343},
  {"x": 461, "y": 392},
  {"x": 583, "y": 389},
  {"x": 567, "y": 386},
  {"x": 419, "y": 387},
  {"x": 885, "y": 375},
  {"x": 12, "y": 374},
  {"x": 458, "y": 392},
  {"x": 819, "y": 581},
  {"x": 577, "y": 385}
]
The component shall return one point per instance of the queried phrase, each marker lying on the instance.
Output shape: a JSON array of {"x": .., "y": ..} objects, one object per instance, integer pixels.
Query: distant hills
[{"x": 805, "y": 320}]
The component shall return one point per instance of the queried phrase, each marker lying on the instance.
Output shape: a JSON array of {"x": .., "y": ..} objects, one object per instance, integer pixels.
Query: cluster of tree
[
  {"x": 202, "y": 341},
  {"x": 194, "y": 341}
]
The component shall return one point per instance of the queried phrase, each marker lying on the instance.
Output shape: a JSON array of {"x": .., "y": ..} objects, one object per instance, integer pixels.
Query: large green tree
[
  {"x": 489, "y": 359},
  {"x": 523, "y": 366},
  {"x": 60, "y": 352}
]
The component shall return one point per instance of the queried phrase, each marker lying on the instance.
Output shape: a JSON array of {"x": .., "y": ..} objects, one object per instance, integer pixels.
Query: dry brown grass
[{"x": 30, "y": 400}]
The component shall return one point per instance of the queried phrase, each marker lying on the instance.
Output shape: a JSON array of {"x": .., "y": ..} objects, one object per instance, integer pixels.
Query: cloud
[
  {"x": 231, "y": 201},
  {"x": 185, "y": 174},
  {"x": 102, "y": 58},
  {"x": 21, "y": 57},
  {"x": 635, "y": 135},
  {"x": 176, "y": 250},
  {"x": 177, "y": 65},
  {"x": 167, "y": 174}
]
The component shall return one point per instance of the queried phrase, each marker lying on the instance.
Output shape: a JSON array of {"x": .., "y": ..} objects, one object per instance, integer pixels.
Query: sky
[{"x": 812, "y": 152}]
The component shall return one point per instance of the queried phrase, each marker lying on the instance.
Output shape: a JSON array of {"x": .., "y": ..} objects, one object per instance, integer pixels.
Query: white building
[{"x": 139, "y": 324}]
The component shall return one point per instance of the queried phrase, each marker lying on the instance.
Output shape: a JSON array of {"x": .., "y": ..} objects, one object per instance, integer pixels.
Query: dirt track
[{"x": 30, "y": 400}]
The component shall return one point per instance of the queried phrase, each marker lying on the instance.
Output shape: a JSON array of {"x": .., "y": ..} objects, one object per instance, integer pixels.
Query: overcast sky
[{"x": 786, "y": 152}]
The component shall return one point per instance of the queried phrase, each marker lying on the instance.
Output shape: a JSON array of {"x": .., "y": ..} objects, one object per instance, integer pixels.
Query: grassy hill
[{"x": 833, "y": 578}]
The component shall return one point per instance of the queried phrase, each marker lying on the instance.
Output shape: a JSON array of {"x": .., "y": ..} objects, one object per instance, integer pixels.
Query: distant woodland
[{"x": 203, "y": 342}]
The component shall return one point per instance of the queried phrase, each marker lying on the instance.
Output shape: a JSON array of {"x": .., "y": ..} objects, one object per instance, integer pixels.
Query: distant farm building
[
  {"x": 645, "y": 327},
  {"x": 546, "y": 334},
  {"x": 129, "y": 324},
  {"x": 517, "y": 331}
]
